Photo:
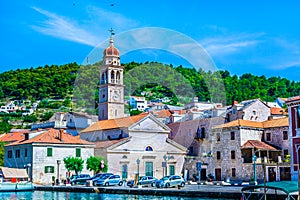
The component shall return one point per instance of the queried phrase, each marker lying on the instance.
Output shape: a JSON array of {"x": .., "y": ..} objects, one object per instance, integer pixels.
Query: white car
[{"x": 170, "y": 181}]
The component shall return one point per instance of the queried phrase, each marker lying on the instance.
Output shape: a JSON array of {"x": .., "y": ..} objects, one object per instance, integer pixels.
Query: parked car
[
  {"x": 170, "y": 181},
  {"x": 144, "y": 181},
  {"x": 80, "y": 179},
  {"x": 108, "y": 180},
  {"x": 99, "y": 176}
]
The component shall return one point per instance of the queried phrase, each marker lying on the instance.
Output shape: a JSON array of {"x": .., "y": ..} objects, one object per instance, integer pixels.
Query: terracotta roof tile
[
  {"x": 12, "y": 137},
  {"x": 277, "y": 111},
  {"x": 114, "y": 123},
  {"x": 276, "y": 122},
  {"x": 50, "y": 136},
  {"x": 293, "y": 99},
  {"x": 257, "y": 144},
  {"x": 162, "y": 113},
  {"x": 247, "y": 123},
  {"x": 240, "y": 122}
]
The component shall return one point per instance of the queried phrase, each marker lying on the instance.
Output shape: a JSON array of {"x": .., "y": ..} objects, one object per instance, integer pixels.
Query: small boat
[
  {"x": 290, "y": 188},
  {"x": 13, "y": 179}
]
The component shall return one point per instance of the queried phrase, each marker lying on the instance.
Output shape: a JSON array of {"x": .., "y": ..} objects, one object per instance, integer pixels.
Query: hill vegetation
[{"x": 58, "y": 81}]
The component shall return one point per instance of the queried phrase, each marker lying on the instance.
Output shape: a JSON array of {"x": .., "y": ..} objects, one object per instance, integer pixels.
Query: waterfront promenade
[{"x": 201, "y": 191}]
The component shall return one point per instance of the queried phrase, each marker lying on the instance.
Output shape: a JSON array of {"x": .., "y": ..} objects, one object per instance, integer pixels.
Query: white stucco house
[
  {"x": 142, "y": 139},
  {"x": 42, "y": 153}
]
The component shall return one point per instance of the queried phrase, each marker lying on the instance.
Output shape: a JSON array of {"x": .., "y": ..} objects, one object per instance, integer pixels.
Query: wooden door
[{"x": 218, "y": 174}]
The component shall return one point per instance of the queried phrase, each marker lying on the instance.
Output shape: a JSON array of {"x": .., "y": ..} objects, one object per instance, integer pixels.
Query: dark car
[
  {"x": 80, "y": 179},
  {"x": 144, "y": 181},
  {"x": 99, "y": 176},
  {"x": 170, "y": 181}
]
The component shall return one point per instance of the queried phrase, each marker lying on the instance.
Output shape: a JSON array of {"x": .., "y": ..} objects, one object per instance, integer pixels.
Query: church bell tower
[{"x": 111, "y": 88}]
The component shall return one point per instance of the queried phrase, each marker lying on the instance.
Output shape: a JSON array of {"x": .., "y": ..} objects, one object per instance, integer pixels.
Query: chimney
[
  {"x": 234, "y": 102},
  {"x": 60, "y": 134},
  {"x": 270, "y": 117},
  {"x": 26, "y": 136}
]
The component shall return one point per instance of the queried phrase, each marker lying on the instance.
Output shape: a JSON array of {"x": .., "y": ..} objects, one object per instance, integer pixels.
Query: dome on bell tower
[{"x": 111, "y": 50}]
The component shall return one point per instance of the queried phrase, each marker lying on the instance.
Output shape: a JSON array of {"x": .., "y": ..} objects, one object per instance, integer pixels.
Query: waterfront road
[{"x": 210, "y": 191}]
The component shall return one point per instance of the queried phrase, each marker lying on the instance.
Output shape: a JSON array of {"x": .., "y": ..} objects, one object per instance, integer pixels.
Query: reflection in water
[{"x": 41, "y": 195}]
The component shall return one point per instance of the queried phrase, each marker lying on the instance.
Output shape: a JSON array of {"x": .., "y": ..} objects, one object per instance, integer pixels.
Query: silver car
[
  {"x": 109, "y": 180},
  {"x": 170, "y": 181}
]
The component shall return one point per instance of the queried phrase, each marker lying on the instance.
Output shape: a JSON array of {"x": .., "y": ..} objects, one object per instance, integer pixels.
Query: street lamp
[
  {"x": 58, "y": 163},
  {"x": 28, "y": 166},
  {"x": 166, "y": 158},
  {"x": 254, "y": 168},
  {"x": 138, "y": 169},
  {"x": 102, "y": 165}
]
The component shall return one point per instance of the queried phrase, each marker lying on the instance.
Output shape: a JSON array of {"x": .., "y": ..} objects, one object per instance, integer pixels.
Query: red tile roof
[
  {"x": 247, "y": 123},
  {"x": 12, "y": 137},
  {"x": 258, "y": 145},
  {"x": 114, "y": 123},
  {"x": 240, "y": 122},
  {"x": 162, "y": 113},
  {"x": 280, "y": 122},
  {"x": 50, "y": 136},
  {"x": 277, "y": 111},
  {"x": 292, "y": 99}
]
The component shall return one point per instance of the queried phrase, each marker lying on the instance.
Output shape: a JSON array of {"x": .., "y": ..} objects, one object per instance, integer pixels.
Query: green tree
[
  {"x": 93, "y": 163},
  {"x": 46, "y": 116},
  {"x": 2, "y": 153},
  {"x": 4, "y": 127},
  {"x": 74, "y": 164}
]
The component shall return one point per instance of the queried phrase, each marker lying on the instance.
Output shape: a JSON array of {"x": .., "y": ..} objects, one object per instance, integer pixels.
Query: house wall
[
  {"x": 277, "y": 138},
  {"x": 37, "y": 156},
  {"x": 249, "y": 134},
  {"x": 103, "y": 135},
  {"x": 262, "y": 112},
  {"x": 244, "y": 171}
]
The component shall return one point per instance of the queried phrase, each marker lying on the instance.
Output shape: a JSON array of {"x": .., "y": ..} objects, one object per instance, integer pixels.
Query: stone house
[
  {"x": 235, "y": 143},
  {"x": 195, "y": 136},
  {"x": 42, "y": 153},
  {"x": 293, "y": 104},
  {"x": 253, "y": 110},
  {"x": 127, "y": 140}
]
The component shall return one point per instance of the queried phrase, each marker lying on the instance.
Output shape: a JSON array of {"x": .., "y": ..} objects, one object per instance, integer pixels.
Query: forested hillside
[{"x": 58, "y": 81}]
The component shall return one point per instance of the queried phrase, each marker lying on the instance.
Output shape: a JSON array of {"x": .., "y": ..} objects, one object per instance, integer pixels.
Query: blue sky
[{"x": 261, "y": 38}]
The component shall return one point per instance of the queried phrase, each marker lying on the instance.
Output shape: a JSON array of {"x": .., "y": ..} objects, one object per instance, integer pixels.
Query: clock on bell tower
[{"x": 111, "y": 88}]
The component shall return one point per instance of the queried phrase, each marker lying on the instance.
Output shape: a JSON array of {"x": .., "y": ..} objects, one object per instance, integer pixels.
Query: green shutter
[
  {"x": 49, "y": 169},
  {"x": 78, "y": 152},
  {"x": 172, "y": 170},
  {"x": 49, "y": 152},
  {"x": 149, "y": 169}
]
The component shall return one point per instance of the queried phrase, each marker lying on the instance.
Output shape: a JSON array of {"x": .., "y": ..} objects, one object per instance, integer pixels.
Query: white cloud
[
  {"x": 61, "y": 27},
  {"x": 230, "y": 44},
  {"x": 99, "y": 22}
]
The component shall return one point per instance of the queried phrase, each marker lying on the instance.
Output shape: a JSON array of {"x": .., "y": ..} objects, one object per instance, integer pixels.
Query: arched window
[
  {"x": 118, "y": 76},
  {"x": 148, "y": 148},
  {"x": 112, "y": 76}
]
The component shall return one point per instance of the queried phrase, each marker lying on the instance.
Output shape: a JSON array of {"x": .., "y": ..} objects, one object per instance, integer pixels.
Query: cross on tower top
[{"x": 111, "y": 32}]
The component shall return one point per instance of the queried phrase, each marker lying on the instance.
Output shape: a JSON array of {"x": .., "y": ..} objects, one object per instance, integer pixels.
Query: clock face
[{"x": 116, "y": 96}]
